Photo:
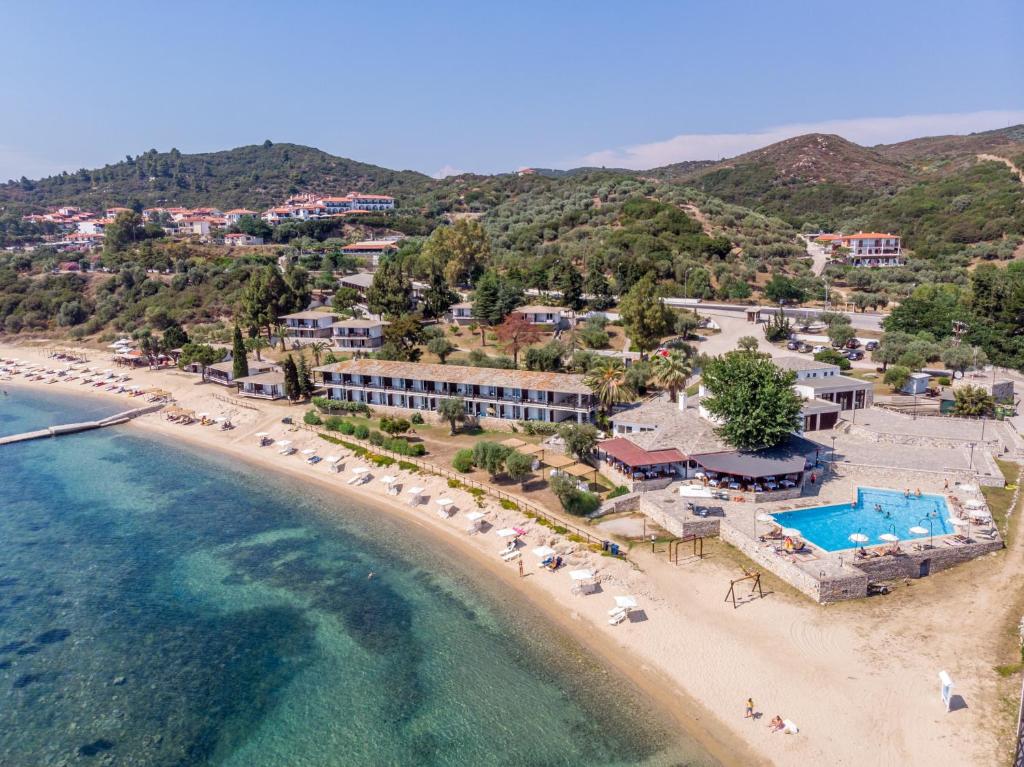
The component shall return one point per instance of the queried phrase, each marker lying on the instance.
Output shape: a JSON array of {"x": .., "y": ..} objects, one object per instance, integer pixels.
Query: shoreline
[
  {"x": 859, "y": 678},
  {"x": 675, "y": 704}
]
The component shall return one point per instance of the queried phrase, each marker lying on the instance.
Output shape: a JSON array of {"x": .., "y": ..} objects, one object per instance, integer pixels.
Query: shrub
[
  {"x": 394, "y": 426},
  {"x": 406, "y": 466},
  {"x": 454, "y": 484},
  {"x": 620, "y": 490},
  {"x": 897, "y": 377},
  {"x": 326, "y": 405},
  {"x": 463, "y": 461},
  {"x": 943, "y": 380},
  {"x": 508, "y": 505},
  {"x": 540, "y": 428},
  {"x": 417, "y": 419},
  {"x": 361, "y": 432},
  {"x": 582, "y": 503},
  {"x": 333, "y": 423},
  {"x": 347, "y": 427},
  {"x": 376, "y": 438},
  {"x": 310, "y": 417},
  {"x": 417, "y": 449}
]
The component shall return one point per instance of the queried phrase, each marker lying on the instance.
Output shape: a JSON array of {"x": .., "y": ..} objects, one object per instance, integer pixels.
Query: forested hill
[{"x": 254, "y": 176}]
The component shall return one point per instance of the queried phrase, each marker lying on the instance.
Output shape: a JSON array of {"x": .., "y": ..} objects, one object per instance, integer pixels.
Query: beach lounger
[
  {"x": 617, "y": 615},
  {"x": 508, "y": 556}
]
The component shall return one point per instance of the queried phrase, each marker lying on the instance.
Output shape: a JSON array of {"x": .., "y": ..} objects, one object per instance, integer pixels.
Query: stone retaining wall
[
  {"x": 702, "y": 526},
  {"x": 908, "y": 564},
  {"x": 853, "y": 584}
]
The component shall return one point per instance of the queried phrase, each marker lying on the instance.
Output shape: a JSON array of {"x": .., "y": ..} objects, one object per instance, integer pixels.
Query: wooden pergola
[{"x": 581, "y": 470}]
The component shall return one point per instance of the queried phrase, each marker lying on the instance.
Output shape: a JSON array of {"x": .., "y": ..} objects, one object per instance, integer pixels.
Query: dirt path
[
  {"x": 1008, "y": 163},
  {"x": 696, "y": 213}
]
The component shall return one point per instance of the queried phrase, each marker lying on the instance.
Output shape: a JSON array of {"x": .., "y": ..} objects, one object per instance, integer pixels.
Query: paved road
[{"x": 818, "y": 256}]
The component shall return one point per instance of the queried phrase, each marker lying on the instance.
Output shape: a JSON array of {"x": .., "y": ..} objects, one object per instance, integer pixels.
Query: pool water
[{"x": 830, "y": 527}]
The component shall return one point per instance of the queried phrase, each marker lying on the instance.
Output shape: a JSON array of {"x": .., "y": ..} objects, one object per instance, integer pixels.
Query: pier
[{"x": 73, "y": 428}]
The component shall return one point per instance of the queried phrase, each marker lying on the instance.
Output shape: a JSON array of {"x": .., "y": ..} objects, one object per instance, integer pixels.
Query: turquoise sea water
[{"x": 161, "y": 607}]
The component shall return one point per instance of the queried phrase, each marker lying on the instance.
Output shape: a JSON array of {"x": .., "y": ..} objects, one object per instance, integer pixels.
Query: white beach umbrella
[
  {"x": 474, "y": 516},
  {"x": 360, "y": 470},
  {"x": 889, "y": 538},
  {"x": 859, "y": 538},
  {"x": 581, "y": 575},
  {"x": 309, "y": 451},
  {"x": 958, "y": 522},
  {"x": 203, "y": 415},
  {"x": 414, "y": 490},
  {"x": 444, "y": 502},
  {"x": 969, "y": 488},
  {"x": 542, "y": 552},
  {"x": 974, "y": 503},
  {"x": 763, "y": 517},
  {"x": 283, "y": 442},
  {"x": 791, "y": 532},
  {"x": 506, "y": 532},
  {"x": 387, "y": 479},
  {"x": 626, "y": 602},
  {"x": 332, "y": 458},
  {"x": 918, "y": 530},
  {"x": 262, "y": 434}
]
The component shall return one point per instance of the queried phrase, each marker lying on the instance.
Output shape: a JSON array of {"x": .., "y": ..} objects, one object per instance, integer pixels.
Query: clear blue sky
[{"x": 493, "y": 86}]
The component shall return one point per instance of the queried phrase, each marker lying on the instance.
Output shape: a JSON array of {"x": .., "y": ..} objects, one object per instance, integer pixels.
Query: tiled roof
[
  {"x": 801, "y": 363},
  {"x": 630, "y": 454},
  {"x": 459, "y": 374},
  {"x": 308, "y": 316}
]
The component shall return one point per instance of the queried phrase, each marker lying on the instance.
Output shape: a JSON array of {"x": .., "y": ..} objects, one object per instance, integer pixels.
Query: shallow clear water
[
  {"x": 876, "y": 512},
  {"x": 160, "y": 607}
]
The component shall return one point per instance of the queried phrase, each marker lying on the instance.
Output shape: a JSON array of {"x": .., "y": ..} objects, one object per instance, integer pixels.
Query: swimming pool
[{"x": 830, "y": 527}]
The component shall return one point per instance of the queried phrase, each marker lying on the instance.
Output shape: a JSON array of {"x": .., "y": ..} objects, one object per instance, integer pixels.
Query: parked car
[
  {"x": 870, "y": 346},
  {"x": 853, "y": 343},
  {"x": 804, "y": 348},
  {"x": 855, "y": 355},
  {"x": 793, "y": 346},
  {"x": 819, "y": 348}
]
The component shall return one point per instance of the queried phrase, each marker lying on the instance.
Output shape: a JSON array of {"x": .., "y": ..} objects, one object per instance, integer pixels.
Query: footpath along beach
[{"x": 859, "y": 679}]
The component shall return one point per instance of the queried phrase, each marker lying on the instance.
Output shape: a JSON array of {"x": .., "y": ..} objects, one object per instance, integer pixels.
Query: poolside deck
[{"x": 822, "y": 575}]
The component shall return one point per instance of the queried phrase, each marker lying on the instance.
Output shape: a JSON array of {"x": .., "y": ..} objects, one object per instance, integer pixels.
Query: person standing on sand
[{"x": 750, "y": 709}]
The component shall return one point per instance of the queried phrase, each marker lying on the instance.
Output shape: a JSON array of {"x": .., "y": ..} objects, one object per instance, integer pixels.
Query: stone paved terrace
[
  {"x": 896, "y": 459},
  {"x": 823, "y": 576},
  {"x": 932, "y": 431}
]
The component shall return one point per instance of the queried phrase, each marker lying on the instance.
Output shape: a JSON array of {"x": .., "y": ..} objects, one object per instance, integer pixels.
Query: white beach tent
[
  {"x": 445, "y": 507},
  {"x": 389, "y": 482},
  {"x": 476, "y": 520},
  {"x": 506, "y": 532},
  {"x": 619, "y": 613},
  {"x": 543, "y": 552},
  {"x": 583, "y": 581},
  {"x": 415, "y": 495},
  {"x": 333, "y": 463}
]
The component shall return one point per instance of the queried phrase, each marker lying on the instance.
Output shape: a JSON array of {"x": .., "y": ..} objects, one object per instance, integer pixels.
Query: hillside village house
[
  {"x": 359, "y": 282},
  {"x": 358, "y": 335},
  {"x": 234, "y": 216},
  {"x": 242, "y": 239},
  {"x": 308, "y": 325},
  {"x": 872, "y": 249},
  {"x": 461, "y": 313},
  {"x": 542, "y": 315},
  {"x": 372, "y": 249},
  {"x": 488, "y": 393}
]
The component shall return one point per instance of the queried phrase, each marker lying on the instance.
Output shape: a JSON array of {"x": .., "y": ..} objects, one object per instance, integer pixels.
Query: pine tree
[
  {"x": 239, "y": 362},
  {"x": 292, "y": 389},
  {"x": 305, "y": 380}
]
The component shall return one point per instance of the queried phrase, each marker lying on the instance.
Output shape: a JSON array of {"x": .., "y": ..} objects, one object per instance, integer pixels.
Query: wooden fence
[{"x": 524, "y": 505}]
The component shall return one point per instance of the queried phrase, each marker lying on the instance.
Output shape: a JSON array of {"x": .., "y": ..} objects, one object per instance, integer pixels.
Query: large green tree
[
  {"x": 391, "y": 291},
  {"x": 672, "y": 371},
  {"x": 753, "y": 399},
  {"x": 203, "y": 355},
  {"x": 608, "y": 381},
  {"x": 645, "y": 317},
  {"x": 464, "y": 248},
  {"x": 126, "y": 229}
]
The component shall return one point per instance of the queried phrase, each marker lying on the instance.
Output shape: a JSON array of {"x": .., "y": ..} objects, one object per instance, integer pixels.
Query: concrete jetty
[{"x": 72, "y": 428}]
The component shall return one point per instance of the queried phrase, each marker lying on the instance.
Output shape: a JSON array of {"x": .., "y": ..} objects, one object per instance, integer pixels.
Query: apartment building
[
  {"x": 871, "y": 249},
  {"x": 358, "y": 335},
  {"x": 487, "y": 392},
  {"x": 309, "y": 325}
]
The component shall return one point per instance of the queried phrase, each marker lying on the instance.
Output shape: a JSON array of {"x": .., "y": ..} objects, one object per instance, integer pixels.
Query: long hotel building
[{"x": 487, "y": 392}]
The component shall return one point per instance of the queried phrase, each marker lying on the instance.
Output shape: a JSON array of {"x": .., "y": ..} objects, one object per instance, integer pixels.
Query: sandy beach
[{"x": 859, "y": 678}]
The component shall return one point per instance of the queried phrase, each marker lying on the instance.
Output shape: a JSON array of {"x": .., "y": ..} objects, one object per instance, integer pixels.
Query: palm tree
[
  {"x": 255, "y": 344},
  {"x": 672, "y": 371},
  {"x": 317, "y": 348},
  {"x": 607, "y": 379}
]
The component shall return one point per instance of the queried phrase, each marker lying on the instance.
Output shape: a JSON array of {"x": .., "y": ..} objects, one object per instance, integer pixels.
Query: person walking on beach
[{"x": 750, "y": 709}]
